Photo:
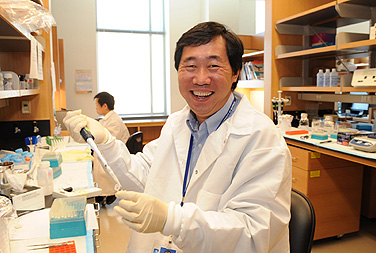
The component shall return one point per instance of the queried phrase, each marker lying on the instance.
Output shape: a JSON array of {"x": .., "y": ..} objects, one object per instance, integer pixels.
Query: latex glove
[
  {"x": 142, "y": 212},
  {"x": 75, "y": 121}
]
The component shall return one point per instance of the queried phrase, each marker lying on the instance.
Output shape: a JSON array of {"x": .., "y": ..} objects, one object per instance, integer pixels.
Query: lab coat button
[
  {"x": 200, "y": 145},
  {"x": 196, "y": 172}
]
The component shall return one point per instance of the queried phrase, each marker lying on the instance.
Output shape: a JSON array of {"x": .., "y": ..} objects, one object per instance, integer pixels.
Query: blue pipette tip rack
[{"x": 67, "y": 217}]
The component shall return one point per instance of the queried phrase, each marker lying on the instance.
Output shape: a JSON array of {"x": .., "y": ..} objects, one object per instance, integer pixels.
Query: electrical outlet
[
  {"x": 289, "y": 98},
  {"x": 25, "y": 105}
]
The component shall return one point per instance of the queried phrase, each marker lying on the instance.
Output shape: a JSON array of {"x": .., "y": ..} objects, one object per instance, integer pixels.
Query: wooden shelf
[
  {"x": 352, "y": 48},
  {"x": 251, "y": 84},
  {"x": 330, "y": 15},
  {"x": 254, "y": 55},
  {"x": 18, "y": 93},
  {"x": 359, "y": 2},
  {"x": 328, "y": 89}
]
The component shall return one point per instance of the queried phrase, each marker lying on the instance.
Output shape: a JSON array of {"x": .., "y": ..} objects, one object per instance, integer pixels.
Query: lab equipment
[
  {"x": 363, "y": 143},
  {"x": 45, "y": 178},
  {"x": 31, "y": 198},
  {"x": 67, "y": 217},
  {"x": 55, "y": 159},
  {"x": 4, "y": 184},
  {"x": 70, "y": 192},
  {"x": 279, "y": 102},
  {"x": 345, "y": 135},
  {"x": 89, "y": 138},
  {"x": 6, "y": 211},
  {"x": 52, "y": 245},
  {"x": 319, "y": 135},
  {"x": 304, "y": 121}
]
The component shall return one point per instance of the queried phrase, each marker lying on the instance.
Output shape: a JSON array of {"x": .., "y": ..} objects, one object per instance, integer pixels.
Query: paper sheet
[{"x": 33, "y": 58}]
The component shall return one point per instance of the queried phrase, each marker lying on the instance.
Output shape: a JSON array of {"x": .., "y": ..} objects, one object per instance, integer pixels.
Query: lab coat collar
[
  {"x": 212, "y": 149},
  {"x": 108, "y": 115}
]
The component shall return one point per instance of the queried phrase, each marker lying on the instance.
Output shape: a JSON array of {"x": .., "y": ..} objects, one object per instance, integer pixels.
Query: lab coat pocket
[{"x": 208, "y": 201}]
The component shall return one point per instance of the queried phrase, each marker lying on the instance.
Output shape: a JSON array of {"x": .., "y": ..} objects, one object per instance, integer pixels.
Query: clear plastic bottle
[
  {"x": 333, "y": 78},
  {"x": 45, "y": 177},
  {"x": 327, "y": 78},
  {"x": 320, "y": 78},
  {"x": 8, "y": 84},
  {"x": 334, "y": 132},
  {"x": 328, "y": 124},
  {"x": 304, "y": 122}
]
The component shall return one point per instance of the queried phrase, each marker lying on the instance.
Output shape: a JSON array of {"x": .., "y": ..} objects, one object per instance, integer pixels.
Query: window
[{"x": 131, "y": 55}]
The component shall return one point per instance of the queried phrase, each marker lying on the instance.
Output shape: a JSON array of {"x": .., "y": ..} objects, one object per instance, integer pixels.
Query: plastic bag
[{"x": 28, "y": 14}]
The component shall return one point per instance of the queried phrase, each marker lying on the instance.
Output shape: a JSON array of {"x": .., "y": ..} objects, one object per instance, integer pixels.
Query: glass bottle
[{"x": 304, "y": 122}]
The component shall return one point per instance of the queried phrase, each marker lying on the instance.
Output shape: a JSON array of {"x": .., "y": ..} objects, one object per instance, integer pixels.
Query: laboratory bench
[
  {"x": 32, "y": 227},
  {"x": 331, "y": 176}
]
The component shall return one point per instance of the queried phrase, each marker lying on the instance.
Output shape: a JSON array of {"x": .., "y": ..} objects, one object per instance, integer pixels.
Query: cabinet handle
[
  {"x": 294, "y": 158},
  {"x": 294, "y": 178}
]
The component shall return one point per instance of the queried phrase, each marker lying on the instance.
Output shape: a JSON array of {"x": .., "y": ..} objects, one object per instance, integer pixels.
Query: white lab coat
[
  {"x": 117, "y": 128},
  {"x": 238, "y": 199}
]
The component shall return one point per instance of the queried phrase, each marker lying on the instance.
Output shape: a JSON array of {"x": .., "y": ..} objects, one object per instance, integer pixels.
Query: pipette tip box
[
  {"x": 55, "y": 160},
  {"x": 67, "y": 217}
]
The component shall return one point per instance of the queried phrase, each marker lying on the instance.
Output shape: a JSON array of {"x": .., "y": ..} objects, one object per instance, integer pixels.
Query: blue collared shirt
[{"x": 201, "y": 133}]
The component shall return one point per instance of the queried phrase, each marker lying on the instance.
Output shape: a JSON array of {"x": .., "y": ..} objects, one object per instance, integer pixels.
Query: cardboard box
[
  {"x": 345, "y": 135},
  {"x": 323, "y": 40},
  {"x": 31, "y": 199}
]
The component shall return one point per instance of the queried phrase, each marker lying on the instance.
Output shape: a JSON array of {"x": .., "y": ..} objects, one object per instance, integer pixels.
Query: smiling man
[{"x": 218, "y": 179}]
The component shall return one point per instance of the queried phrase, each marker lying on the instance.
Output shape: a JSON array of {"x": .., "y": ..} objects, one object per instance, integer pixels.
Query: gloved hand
[
  {"x": 75, "y": 121},
  {"x": 142, "y": 212}
]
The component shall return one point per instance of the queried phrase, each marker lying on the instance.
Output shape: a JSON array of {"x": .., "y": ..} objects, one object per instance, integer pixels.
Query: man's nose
[{"x": 202, "y": 77}]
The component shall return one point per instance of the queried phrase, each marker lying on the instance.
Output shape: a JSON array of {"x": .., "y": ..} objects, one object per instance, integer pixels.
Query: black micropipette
[{"x": 89, "y": 138}]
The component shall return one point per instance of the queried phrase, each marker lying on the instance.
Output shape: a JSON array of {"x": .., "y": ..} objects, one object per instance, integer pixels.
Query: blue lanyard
[{"x": 185, "y": 182}]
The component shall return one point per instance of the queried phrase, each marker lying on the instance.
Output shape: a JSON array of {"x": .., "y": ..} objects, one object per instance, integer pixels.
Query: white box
[
  {"x": 364, "y": 77},
  {"x": 32, "y": 199},
  {"x": 372, "y": 32}
]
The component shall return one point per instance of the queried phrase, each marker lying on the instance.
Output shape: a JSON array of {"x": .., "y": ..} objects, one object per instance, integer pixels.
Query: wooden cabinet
[
  {"x": 334, "y": 187},
  {"x": 15, "y": 56},
  {"x": 151, "y": 129},
  {"x": 291, "y": 63}
]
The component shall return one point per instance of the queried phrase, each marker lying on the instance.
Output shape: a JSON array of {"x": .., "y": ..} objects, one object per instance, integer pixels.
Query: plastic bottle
[
  {"x": 334, "y": 78},
  {"x": 328, "y": 124},
  {"x": 320, "y": 78},
  {"x": 8, "y": 84},
  {"x": 327, "y": 78},
  {"x": 304, "y": 122},
  {"x": 45, "y": 177}
]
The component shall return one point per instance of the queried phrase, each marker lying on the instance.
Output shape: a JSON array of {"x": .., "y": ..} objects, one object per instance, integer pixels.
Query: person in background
[
  {"x": 218, "y": 179},
  {"x": 104, "y": 105}
]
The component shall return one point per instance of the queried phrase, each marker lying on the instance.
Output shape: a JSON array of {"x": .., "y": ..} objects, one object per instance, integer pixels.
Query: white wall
[{"x": 77, "y": 27}]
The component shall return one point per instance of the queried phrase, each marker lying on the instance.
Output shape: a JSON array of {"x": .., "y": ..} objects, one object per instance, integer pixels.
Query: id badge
[{"x": 165, "y": 247}]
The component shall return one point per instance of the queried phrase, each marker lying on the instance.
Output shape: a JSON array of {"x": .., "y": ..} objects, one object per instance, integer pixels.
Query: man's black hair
[
  {"x": 105, "y": 98},
  {"x": 202, "y": 34}
]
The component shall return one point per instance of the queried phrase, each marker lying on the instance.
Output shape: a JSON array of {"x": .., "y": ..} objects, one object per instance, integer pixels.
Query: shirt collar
[
  {"x": 108, "y": 115},
  {"x": 213, "y": 121}
]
